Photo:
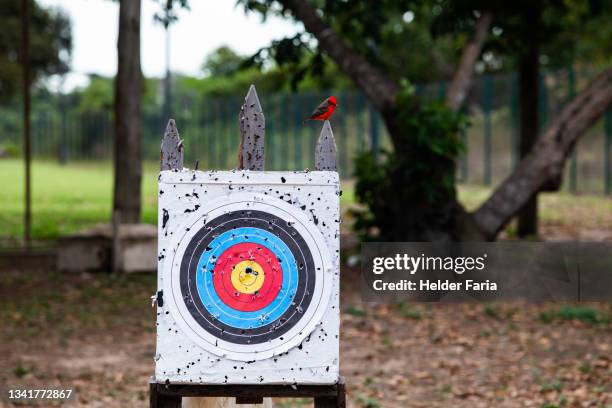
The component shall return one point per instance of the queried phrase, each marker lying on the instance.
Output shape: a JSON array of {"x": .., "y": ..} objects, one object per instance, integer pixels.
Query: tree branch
[
  {"x": 462, "y": 80},
  {"x": 545, "y": 162},
  {"x": 379, "y": 88}
]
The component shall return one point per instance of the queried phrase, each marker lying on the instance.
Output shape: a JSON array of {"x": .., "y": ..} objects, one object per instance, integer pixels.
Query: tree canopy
[
  {"x": 50, "y": 44},
  {"x": 422, "y": 40},
  {"x": 222, "y": 62}
]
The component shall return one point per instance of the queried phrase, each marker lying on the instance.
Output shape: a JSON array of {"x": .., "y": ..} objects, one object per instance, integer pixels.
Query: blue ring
[{"x": 236, "y": 318}]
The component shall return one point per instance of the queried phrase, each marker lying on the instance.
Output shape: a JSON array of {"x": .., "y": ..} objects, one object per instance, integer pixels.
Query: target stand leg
[
  {"x": 159, "y": 400},
  {"x": 338, "y": 401}
]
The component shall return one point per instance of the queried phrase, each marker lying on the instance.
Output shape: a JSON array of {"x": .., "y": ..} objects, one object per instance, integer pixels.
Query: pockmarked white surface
[{"x": 295, "y": 338}]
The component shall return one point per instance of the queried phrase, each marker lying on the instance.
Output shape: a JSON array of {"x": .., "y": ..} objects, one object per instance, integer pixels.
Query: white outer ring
[{"x": 321, "y": 292}]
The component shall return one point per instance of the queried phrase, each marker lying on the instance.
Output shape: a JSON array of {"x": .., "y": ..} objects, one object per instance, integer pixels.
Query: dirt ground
[{"x": 95, "y": 333}]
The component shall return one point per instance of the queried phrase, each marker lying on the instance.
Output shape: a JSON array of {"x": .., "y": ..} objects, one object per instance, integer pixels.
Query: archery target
[{"x": 250, "y": 278}]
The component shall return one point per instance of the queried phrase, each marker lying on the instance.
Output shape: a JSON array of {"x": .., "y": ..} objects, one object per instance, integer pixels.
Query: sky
[{"x": 208, "y": 25}]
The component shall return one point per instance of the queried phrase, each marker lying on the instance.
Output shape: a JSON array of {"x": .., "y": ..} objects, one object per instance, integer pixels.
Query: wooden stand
[{"x": 170, "y": 395}]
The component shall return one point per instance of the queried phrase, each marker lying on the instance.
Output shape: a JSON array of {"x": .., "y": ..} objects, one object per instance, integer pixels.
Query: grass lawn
[
  {"x": 68, "y": 198},
  {"x": 64, "y": 198}
]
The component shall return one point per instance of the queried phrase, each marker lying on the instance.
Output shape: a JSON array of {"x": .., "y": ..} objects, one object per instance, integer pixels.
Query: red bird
[{"x": 324, "y": 110}]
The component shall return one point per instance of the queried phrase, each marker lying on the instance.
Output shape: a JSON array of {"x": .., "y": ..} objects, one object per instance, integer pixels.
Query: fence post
[
  {"x": 271, "y": 136},
  {"x": 487, "y": 129},
  {"x": 284, "y": 131},
  {"x": 514, "y": 120},
  {"x": 361, "y": 112},
  {"x": 63, "y": 156},
  {"x": 226, "y": 149},
  {"x": 252, "y": 133},
  {"x": 343, "y": 118},
  {"x": 197, "y": 133},
  {"x": 216, "y": 131},
  {"x": 297, "y": 132},
  {"x": 571, "y": 78},
  {"x": 326, "y": 152},
  {"x": 607, "y": 152},
  {"x": 374, "y": 134},
  {"x": 464, "y": 160},
  {"x": 441, "y": 90}
]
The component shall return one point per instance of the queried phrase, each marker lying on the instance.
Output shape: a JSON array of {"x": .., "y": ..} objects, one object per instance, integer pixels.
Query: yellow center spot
[{"x": 248, "y": 277}]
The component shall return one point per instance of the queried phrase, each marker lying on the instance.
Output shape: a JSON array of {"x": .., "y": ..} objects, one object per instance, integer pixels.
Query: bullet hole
[
  {"x": 315, "y": 219},
  {"x": 165, "y": 217},
  {"x": 187, "y": 210}
]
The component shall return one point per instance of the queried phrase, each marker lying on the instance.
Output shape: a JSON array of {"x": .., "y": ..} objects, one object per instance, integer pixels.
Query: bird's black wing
[{"x": 321, "y": 109}]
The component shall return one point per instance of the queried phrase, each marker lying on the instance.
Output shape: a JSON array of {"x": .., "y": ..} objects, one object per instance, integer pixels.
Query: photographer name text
[{"x": 413, "y": 264}]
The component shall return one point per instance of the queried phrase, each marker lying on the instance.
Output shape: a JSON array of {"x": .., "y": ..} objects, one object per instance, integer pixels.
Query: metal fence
[{"x": 210, "y": 130}]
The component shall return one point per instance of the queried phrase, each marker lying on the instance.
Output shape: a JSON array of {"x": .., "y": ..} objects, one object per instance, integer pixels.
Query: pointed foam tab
[
  {"x": 325, "y": 152},
  {"x": 251, "y": 155},
  {"x": 171, "y": 155}
]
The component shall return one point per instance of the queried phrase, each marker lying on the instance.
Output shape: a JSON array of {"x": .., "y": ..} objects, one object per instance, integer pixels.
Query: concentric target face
[{"x": 251, "y": 277}]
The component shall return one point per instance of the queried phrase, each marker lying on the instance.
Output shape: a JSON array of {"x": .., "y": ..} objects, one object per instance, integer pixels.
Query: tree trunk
[
  {"x": 462, "y": 80},
  {"x": 529, "y": 109},
  {"x": 543, "y": 166},
  {"x": 128, "y": 117}
]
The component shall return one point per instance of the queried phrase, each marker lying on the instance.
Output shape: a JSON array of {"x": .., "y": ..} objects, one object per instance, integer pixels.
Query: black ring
[{"x": 255, "y": 219}]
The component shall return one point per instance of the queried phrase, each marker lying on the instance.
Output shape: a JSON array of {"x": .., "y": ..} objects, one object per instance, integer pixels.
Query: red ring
[{"x": 222, "y": 280}]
